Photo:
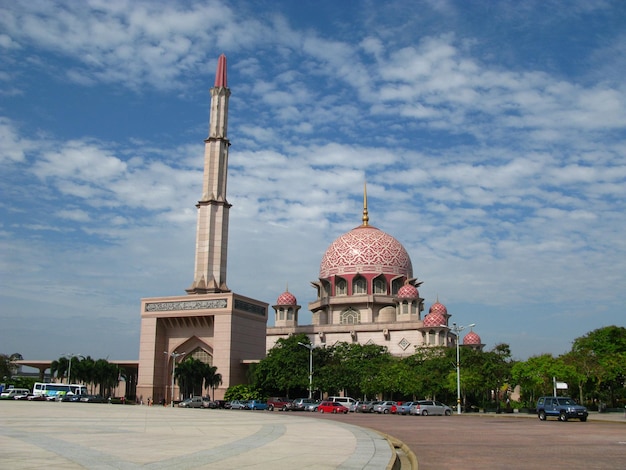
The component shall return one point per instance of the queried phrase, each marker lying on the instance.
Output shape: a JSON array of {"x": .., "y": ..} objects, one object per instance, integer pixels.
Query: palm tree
[
  {"x": 59, "y": 368},
  {"x": 211, "y": 378}
]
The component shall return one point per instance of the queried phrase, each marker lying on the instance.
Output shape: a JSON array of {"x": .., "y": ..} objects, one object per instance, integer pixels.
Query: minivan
[
  {"x": 11, "y": 393},
  {"x": 345, "y": 401}
]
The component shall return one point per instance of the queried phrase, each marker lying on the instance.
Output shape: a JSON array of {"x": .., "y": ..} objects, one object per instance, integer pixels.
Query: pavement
[{"x": 103, "y": 436}]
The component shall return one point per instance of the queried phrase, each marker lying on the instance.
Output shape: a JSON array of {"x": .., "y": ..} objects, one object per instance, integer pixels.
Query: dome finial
[{"x": 366, "y": 218}]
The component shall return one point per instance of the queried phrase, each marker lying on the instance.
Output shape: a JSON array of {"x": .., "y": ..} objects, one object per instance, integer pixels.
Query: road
[{"x": 476, "y": 441}]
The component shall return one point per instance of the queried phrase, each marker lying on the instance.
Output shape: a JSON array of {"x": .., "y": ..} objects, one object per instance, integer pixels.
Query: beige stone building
[{"x": 210, "y": 323}]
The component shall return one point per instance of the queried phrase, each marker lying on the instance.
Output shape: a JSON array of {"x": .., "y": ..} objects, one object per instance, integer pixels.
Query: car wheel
[
  {"x": 385, "y": 411},
  {"x": 562, "y": 416},
  {"x": 424, "y": 413},
  {"x": 583, "y": 419},
  {"x": 542, "y": 415},
  {"x": 334, "y": 411},
  {"x": 284, "y": 408},
  {"x": 321, "y": 411},
  {"x": 270, "y": 408},
  {"x": 448, "y": 412},
  {"x": 345, "y": 412}
]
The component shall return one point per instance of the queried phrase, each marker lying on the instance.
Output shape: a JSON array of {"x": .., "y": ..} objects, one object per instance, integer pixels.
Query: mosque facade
[{"x": 366, "y": 293}]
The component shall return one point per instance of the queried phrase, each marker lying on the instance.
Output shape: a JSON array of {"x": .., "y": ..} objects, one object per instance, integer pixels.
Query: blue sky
[{"x": 491, "y": 136}]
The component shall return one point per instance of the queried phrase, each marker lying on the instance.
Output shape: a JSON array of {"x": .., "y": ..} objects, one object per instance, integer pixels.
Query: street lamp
[
  {"x": 457, "y": 330},
  {"x": 69, "y": 369},
  {"x": 174, "y": 356},
  {"x": 311, "y": 347}
]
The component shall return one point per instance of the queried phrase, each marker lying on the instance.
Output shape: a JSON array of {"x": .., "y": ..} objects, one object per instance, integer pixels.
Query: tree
[
  {"x": 211, "y": 378},
  {"x": 285, "y": 369},
  {"x": 190, "y": 375},
  {"x": 599, "y": 357},
  {"x": 8, "y": 367}
]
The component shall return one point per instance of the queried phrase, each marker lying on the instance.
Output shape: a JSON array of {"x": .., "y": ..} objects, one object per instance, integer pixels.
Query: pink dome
[
  {"x": 286, "y": 298},
  {"x": 366, "y": 249},
  {"x": 471, "y": 338},
  {"x": 439, "y": 308},
  {"x": 408, "y": 291},
  {"x": 434, "y": 319}
]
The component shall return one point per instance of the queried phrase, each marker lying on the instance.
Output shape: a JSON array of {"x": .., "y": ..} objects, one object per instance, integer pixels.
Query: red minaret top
[{"x": 220, "y": 75}]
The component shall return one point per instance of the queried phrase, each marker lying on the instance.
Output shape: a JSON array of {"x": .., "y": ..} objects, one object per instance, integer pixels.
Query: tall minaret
[{"x": 213, "y": 208}]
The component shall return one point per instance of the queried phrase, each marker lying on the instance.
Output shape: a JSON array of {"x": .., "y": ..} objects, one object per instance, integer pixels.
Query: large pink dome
[{"x": 366, "y": 249}]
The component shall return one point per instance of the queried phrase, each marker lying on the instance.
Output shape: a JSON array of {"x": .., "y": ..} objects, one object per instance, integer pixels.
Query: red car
[{"x": 332, "y": 407}]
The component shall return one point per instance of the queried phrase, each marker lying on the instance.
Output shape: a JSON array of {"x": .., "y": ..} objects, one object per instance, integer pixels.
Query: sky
[{"x": 491, "y": 135}]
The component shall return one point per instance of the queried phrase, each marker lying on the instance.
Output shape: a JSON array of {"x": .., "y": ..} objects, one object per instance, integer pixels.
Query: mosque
[{"x": 366, "y": 293}]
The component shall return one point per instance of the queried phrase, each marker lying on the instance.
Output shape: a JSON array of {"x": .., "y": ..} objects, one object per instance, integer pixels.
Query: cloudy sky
[{"x": 491, "y": 135}]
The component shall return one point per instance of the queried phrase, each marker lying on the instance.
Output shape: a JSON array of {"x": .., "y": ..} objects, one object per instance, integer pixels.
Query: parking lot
[{"x": 506, "y": 441}]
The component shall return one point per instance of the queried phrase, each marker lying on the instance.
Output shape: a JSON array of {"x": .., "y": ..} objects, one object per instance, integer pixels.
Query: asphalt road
[{"x": 476, "y": 441}]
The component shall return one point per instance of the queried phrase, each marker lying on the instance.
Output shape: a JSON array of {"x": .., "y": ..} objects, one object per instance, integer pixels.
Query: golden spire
[{"x": 365, "y": 216}]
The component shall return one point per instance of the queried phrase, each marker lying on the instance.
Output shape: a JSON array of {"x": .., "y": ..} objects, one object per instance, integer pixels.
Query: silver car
[
  {"x": 384, "y": 407},
  {"x": 430, "y": 407}
]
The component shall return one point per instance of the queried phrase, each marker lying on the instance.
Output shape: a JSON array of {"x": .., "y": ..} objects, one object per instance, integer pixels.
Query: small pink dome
[
  {"x": 286, "y": 298},
  {"x": 438, "y": 308},
  {"x": 408, "y": 291},
  {"x": 471, "y": 338},
  {"x": 434, "y": 319}
]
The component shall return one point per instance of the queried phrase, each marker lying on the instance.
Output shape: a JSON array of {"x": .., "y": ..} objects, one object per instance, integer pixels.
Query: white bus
[{"x": 57, "y": 391}]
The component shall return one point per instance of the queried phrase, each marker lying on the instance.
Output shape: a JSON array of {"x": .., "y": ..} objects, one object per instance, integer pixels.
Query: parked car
[
  {"x": 405, "y": 408},
  {"x": 92, "y": 399},
  {"x": 430, "y": 407},
  {"x": 256, "y": 405},
  {"x": 13, "y": 393},
  {"x": 562, "y": 408},
  {"x": 238, "y": 404},
  {"x": 300, "y": 404},
  {"x": 313, "y": 406},
  {"x": 194, "y": 402},
  {"x": 332, "y": 407},
  {"x": 217, "y": 404},
  {"x": 367, "y": 406},
  {"x": 278, "y": 403},
  {"x": 384, "y": 407}
]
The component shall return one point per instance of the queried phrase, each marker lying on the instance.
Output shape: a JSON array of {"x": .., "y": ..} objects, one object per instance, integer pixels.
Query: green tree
[
  {"x": 8, "y": 366},
  {"x": 190, "y": 376},
  {"x": 285, "y": 369},
  {"x": 211, "y": 378},
  {"x": 599, "y": 358}
]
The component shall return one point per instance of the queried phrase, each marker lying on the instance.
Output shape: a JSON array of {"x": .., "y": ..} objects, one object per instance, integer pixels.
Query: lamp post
[
  {"x": 457, "y": 330},
  {"x": 311, "y": 347},
  {"x": 69, "y": 368},
  {"x": 174, "y": 355}
]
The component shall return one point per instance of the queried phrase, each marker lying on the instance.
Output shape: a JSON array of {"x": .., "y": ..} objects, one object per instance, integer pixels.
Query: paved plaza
[{"x": 35, "y": 435}]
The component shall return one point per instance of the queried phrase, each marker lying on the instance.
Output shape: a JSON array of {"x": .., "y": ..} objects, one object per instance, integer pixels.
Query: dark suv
[{"x": 563, "y": 408}]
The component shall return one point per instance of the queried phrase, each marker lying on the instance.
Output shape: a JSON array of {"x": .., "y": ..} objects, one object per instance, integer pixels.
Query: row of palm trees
[{"x": 99, "y": 375}]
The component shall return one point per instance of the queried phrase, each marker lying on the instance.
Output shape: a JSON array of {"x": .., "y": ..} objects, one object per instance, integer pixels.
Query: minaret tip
[
  {"x": 366, "y": 217},
  {"x": 220, "y": 74}
]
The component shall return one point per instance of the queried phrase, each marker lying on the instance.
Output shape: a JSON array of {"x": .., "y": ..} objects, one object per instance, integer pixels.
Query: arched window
[
  {"x": 341, "y": 286},
  {"x": 395, "y": 285},
  {"x": 350, "y": 317},
  {"x": 359, "y": 286},
  {"x": 405, "y": 307},
  {"x": 380, "y": 286},
  {"x": 201, "y": 355},
  {"x": 289, "y": 313}
]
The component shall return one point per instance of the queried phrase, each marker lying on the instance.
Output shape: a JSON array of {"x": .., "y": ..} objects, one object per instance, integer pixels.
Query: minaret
[{"x": 213, "y": 208}]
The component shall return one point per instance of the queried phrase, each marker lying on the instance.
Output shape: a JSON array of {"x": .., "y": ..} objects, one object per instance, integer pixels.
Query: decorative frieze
[{"x": 186, "y": 305}]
